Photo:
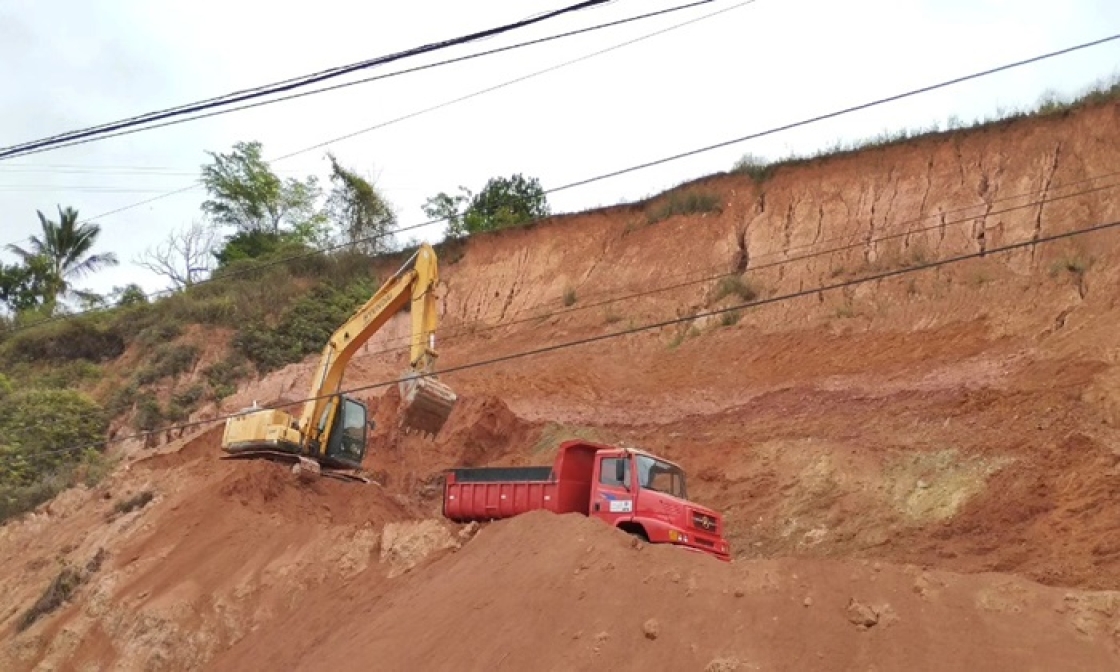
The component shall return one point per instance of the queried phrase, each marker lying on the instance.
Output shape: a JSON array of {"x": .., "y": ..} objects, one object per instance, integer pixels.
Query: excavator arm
[
  {"x": 413, "y": 284},
  {"x": 331, "y": 429}
]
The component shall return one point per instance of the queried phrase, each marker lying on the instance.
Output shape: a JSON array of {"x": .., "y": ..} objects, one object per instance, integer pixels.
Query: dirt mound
[
  {"x": 206, "y": 445},
  {"x": 481, "y": 430},
  {"x": 546, "y": 592},
  {"x": 484, "y": 430}
]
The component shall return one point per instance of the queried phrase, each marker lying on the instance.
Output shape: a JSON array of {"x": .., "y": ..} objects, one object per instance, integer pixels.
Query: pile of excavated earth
[{"x": 919, "y": 472}]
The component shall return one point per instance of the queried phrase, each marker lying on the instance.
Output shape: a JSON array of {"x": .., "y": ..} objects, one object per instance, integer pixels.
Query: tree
[
  {"x": 65, "y": 248},
  {"x": 248, "y": 245},
  {"x": 23, "y": 286},
  {"x": 360, "y": 210},
  {"x": 246, "y": 194},
  {"x": 185, "y": 257},
  {"x": 502, "y": 203},
  {"x": 130, "y": 295}
]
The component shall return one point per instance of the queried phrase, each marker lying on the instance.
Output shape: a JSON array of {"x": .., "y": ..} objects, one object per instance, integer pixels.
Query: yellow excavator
[{"x": 329, "y": 437}]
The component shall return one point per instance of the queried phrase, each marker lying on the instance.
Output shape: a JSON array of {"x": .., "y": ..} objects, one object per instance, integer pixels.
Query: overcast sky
[{"x": 67, "y": 64}]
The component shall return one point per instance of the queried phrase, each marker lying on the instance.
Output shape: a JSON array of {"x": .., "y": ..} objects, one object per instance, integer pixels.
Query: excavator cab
[{"x": 346, "y": 445}]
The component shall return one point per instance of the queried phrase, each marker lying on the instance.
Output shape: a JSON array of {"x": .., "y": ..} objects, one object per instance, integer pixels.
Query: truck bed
[
  {"x": 490, "y": 493},
  {"x": 502, "y": 474}
]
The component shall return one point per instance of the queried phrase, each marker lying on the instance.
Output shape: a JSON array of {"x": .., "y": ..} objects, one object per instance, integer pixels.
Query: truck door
[{"x": 613, "y": 496}]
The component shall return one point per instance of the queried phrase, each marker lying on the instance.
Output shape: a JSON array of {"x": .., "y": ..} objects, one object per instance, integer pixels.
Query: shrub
[
  {"x": 757, "y": 168},
  {"x": 730, "y": 318},
  {"x": 68, "y": 375},
  {"x": 160, "y": 332},
  {"x": 690, "y": 202},
  {"x": 43, "y": 430},
  {"x": 222, "y": 376},
  {"x": 734, "y": 285},
  {"x": 121, "y": 400},
  {"x": 1075, "y": 265},
  {"x": 570, "y": 297},
  {"x": 148, "y": 414},
  {"x": 91, "y": 337},
  {"x": 170, "y": 360},
  {"x": 303, "y": 328},
  {"x": 137, "y": 501},
  {"x": 189, "y": 397},
  {"x": 60, "y": 590}
]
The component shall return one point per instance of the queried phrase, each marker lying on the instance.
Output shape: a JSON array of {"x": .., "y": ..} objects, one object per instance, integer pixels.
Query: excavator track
[
  {"x": 304, "y": 468},
  {"x": 426, "y": 404}
]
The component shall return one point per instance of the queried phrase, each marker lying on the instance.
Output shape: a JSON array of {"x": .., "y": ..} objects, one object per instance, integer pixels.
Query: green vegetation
[
  {"x": 60, "y": 590},
  {"x": 303, "y": 327},
  {"x": 365, "y": 217},
  {"x": 503, "y": 203},
  {"x": 757, "y": 168},
  {"x": 168, "y": 361},
  {"x": 222, "y": 376},
  {"x": 1049, "y": 104},
  {"x": 48, "y": 441},
  {"x": 734, "y": 285},
  {"x": 730, "y": 318},
  {"x": 688, "y": 202},
  {"x": 1075, "y": 265},
  {"x": 570, "y": 297},
  {"x": 137, "y": 501}
]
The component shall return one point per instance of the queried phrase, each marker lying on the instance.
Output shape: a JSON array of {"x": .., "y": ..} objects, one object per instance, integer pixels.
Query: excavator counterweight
[{"x": 329, "y": 436}]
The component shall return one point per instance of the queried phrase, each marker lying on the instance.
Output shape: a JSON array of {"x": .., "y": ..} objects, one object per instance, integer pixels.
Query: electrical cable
[
  {"x": 805, "y": 122},
  {"x": 195, "y": 185},
  {"x": 470, "y": 328},
  {"x": 378, "y": 77},
  {"x": 756, "y": 303},
  {"x": 19, "y": 149}
]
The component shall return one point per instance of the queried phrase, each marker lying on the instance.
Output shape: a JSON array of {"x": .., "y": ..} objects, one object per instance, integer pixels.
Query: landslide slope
[
  {"x": 959, "y": 418},
  {"x": 547, "y": 592}
]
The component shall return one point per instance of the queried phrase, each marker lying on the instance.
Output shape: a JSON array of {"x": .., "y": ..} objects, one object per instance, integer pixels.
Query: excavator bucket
[{"x": 426, "y": 404}]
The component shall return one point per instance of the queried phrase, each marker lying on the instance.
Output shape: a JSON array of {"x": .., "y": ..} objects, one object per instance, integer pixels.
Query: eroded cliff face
[
  {"x": 959, "y": 417},
  {"x": 811, "y": 224}
]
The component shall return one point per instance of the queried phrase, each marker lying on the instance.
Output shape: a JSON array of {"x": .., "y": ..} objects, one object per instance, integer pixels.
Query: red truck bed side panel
[{"x": 491, "y": 501}]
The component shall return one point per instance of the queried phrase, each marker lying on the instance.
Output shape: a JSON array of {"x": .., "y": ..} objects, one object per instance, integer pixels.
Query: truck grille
[{"x": 704, "y": 522}]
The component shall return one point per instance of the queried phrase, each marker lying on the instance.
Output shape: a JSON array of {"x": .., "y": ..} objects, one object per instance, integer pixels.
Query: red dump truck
[{"x": 630, "y": 489}]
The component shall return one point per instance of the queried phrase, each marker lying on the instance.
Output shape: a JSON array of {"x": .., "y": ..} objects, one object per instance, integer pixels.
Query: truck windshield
[{"x": 661, "y": 476}]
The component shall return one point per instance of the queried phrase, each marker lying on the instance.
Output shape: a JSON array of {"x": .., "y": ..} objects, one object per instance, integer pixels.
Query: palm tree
[{"x": 65, "y": 246}]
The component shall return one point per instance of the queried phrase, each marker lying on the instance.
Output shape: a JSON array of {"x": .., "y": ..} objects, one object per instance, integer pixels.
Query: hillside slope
[{"x": 960, "y": 419}]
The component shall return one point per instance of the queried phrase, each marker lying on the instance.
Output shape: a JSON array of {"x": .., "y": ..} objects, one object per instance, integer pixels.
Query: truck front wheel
[{"x": 636, "y": 530}]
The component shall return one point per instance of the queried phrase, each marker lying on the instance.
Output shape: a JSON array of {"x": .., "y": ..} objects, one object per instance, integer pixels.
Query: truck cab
[{"x": 647, "y": 496}]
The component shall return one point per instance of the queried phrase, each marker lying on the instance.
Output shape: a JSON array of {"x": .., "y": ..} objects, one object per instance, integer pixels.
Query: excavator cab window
[{"x": 348, "y": 437}]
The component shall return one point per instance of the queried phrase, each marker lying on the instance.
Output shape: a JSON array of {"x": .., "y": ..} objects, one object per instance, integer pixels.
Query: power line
[
  {"x": 366, "y": 80},
  {"x": 16, "y": 150},
  {"x": 466, "y": 328},
  {"x": 689, "y": 279},
  {"x": 847, "y": 110},
  {"x": 604, "y": 176},
  {"x": 443, "y": 105},
  {"x": 790, "y": 296}
]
